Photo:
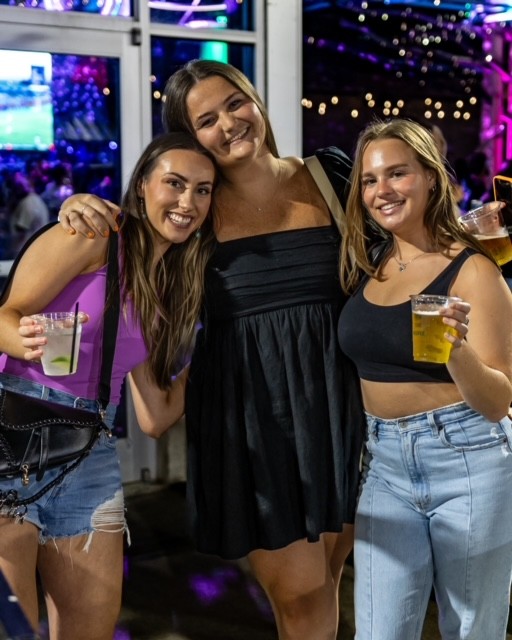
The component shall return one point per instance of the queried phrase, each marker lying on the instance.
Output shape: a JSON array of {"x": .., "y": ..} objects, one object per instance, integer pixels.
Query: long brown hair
[
  {"x": 167, "y": 300},
  {"x": 174, "y": 106},
  {"x": 441, "y": 217}
]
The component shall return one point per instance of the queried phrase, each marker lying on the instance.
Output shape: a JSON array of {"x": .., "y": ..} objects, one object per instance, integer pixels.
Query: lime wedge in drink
[{"x": 63, "y": 362}]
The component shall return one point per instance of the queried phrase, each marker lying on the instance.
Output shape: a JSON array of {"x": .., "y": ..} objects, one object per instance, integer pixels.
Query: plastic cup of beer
[
  {"x": 486, "y": 223},
  {"x": 62, "y": 331},
  {"x": 428, "y": 328}
]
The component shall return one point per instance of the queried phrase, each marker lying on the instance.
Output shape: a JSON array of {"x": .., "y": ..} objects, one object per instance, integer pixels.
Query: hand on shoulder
[{"x": 89, "y": 215}]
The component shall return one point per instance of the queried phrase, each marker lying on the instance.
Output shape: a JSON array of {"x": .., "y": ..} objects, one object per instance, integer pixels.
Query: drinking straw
[{"x": 75, "y": 323}]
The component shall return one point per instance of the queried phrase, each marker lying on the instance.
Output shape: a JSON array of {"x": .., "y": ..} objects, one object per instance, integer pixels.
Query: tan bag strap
[{"x": 326, "y": 189}]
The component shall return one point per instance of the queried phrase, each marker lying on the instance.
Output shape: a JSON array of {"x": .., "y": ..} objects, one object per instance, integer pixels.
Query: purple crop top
[{"x": 89, "y": 290}]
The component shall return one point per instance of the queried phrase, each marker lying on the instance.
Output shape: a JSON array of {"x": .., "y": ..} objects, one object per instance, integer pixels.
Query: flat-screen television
[
  {"x": 58, "y": 109},
  {"x": 26, "y": 108}
]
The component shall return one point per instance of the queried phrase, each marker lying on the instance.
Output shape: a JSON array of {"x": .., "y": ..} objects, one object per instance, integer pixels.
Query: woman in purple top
[{"x": 165, "y": 239}]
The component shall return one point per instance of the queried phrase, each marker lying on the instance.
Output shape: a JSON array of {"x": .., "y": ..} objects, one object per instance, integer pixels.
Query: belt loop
[
  {"x": 45, "y": 392},
  {"x": 373, "y": 429},
  {"x": 431, "y": 419}
]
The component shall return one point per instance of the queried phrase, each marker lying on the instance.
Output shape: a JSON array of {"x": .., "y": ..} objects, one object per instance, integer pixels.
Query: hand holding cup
[
  {"x": 487, "y": 225},
  {"x": 40, "y": 330},
  {"x": 439, "y": 323}
]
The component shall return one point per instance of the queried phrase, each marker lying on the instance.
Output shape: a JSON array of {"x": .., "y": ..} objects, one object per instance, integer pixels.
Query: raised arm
[
  {"x": 156, "y": 410},
  {"x": 89, "y": 215},
  {"x": 481, "y": 366},
  {"x": 47, "y": 266}
]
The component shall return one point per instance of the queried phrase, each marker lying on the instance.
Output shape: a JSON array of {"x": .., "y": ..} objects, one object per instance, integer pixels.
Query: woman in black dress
[{"x": 274, "y": 417}]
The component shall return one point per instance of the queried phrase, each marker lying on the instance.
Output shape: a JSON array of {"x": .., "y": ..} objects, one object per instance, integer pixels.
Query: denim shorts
[{"x": 73, "y": 506}]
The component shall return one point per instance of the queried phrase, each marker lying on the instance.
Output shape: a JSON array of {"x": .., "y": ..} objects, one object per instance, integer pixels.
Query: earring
[
  {"x": 433, "y": 189},
  {"x": 143, "y": 214},
  {"x": 198, "y": 233}
]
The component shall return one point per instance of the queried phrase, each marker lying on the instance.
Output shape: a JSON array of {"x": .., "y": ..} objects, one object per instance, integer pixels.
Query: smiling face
[
  {"x": 177, "y": 195},
  {"x": 226, "y": 121},
  {"x": 395, "y": 185}
]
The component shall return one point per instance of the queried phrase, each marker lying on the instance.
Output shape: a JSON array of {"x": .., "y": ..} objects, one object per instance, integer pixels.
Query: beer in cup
[
  {"x": 486, "y": 224},
  {"x": 428, "y": 328},
  {"x": 60, "y": 353}
]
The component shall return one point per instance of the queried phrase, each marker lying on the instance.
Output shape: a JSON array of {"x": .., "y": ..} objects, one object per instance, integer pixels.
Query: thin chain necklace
[
  {"x": 274, "y": 191},
  {"x": 271, "y": 197},
  {"x": 402, "y": 266}
]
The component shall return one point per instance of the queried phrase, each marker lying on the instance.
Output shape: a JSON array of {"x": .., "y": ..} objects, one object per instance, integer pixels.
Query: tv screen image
[{"x": 26, "y": 110}]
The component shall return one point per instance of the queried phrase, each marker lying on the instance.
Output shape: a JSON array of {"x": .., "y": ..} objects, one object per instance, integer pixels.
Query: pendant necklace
[{"x": 402, "y": 266}]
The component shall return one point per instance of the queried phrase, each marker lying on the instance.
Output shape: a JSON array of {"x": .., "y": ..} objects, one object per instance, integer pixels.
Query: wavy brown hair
[
  {"x": 441, "y": 217},
  {"x": 167, "y": 299},
  {"x": 175, "y": 115}
]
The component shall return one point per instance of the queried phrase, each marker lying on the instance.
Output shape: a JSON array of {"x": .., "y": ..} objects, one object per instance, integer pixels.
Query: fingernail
[
  {"x": 116, "y": 228},
  {"x": 90, "y": 234},
  {"x": 106, "y": 233},
  {"x": 71, "y": 232}
]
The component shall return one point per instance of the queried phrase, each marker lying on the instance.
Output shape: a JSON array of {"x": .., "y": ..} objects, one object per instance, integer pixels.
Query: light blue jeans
[{"x": 435, "y": 510}]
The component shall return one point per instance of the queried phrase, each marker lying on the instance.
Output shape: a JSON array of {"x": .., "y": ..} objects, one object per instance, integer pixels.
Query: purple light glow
[{"x": 207, "y": 589}]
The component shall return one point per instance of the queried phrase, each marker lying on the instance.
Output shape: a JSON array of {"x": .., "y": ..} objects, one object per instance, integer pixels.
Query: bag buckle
[{"x": 25, "y": 475}]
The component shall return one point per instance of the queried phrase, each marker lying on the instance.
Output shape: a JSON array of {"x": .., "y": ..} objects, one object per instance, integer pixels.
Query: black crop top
[{"x": 379, "y": 338}]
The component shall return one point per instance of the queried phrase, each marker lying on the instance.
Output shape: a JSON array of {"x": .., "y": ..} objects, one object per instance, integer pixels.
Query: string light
[{"x": 426, "y": 44}]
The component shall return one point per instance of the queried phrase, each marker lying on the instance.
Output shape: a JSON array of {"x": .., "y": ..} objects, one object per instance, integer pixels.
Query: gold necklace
[{"x": 402, "y": 266}]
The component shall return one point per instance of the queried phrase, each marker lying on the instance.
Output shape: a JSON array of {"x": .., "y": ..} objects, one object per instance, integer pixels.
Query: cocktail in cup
[
  {"x": 486, "y": 224},
  {"x": 60, "y": 354},
  {"x": 428, "y": 328}
]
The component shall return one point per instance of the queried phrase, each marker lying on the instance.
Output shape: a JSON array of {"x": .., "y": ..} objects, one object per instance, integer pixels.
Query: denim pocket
[{"x": 475, "y": 433}]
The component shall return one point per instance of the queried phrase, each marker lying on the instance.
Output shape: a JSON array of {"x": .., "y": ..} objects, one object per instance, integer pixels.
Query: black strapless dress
[{"x": 274, "y": 417}]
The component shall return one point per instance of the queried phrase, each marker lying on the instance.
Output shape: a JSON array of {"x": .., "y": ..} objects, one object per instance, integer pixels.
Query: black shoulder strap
[{"x": 110, "y": 321}]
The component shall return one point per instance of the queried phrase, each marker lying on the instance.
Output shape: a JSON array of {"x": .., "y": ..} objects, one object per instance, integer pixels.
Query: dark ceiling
[
  {"x": 418, "y": 42},
  {"x": 408, "y": 50}
]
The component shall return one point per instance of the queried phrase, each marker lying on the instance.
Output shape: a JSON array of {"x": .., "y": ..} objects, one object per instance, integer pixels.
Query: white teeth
[
  {"x": 181, "y": 221},
  {"x": 239, "y": 136},
  {"x": 385, "y": 207}
]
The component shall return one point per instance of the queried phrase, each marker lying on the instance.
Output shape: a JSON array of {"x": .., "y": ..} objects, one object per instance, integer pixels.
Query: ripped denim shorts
[{"x": 90, "y": 497}]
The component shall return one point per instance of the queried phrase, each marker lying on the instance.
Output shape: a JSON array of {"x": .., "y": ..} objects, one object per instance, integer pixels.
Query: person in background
[
  {"x": 73, "y": 534},
  {"x": 28, "y": 212},
  {"x": 273, "y": 410},
  {"x": 435, "y": 506},
  {"x": 477, "y": 180},
  {"x": 506, "y": 170},
  {"x": 58, "y": 188}
]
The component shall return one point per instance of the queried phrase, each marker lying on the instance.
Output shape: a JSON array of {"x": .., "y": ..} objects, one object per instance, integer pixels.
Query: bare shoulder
[
  {"x": 57, "y": 246},
  {"x": 480, "y": 276},
  {"x": 292, "y": 164}
]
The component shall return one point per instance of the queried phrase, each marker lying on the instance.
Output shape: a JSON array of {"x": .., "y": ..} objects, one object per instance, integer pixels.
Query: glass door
[{"x": 70, "y": 121}]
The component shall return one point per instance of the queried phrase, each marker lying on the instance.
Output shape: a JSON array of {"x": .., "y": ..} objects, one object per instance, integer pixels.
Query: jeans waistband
[
  {"x": 38, "y": 390},
  {"x": 451, "y": 411}
]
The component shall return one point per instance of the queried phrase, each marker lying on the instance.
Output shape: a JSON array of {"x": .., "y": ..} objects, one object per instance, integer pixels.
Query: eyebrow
[
  {"x": 392, "y": 167},
  {"x": 184, "y": 178}
]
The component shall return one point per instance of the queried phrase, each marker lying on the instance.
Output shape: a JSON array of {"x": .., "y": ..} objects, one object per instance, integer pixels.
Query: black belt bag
[{"x": 37, "y": 434}]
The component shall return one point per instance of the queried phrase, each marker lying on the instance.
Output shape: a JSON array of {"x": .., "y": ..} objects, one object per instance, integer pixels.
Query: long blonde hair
[
  {"x": 441, "y": 217},
  {"x": 168, "y": 300}
]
